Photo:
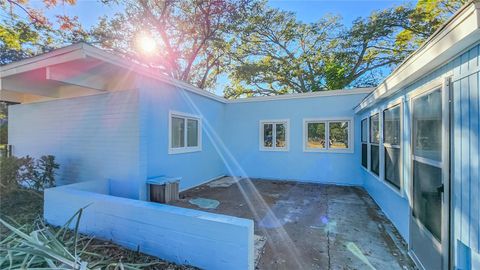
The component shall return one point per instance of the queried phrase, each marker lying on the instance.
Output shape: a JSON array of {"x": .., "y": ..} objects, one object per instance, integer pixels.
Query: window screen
[
  {"x": 374, "y": 141},
  {"x": 364, "y": 139},
  {"x": 391, "y": 141},
  {"x": 374, "y": 156}
]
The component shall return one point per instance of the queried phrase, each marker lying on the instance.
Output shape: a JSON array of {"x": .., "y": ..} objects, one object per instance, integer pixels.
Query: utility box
[{"x": 163, "y": 189}]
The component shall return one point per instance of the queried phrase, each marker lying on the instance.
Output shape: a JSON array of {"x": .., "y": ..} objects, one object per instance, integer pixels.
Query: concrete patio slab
[{"x": 310, "y": 226}]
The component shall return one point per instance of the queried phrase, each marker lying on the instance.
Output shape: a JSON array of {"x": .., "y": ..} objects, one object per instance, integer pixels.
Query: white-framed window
[
  {"x": 327, "y": 135},
  {"x": 185, "y": 133},
  {"x": 364, "y": 140},
  {"x": 392, "y": 133},
  {"x": 374, "y": 144},
  {"x": 274, "y": 135}
]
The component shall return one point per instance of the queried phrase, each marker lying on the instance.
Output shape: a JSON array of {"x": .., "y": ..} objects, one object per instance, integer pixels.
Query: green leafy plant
[
  {"x": 10, "y": 173},
  {"x": 27, "y": 172},
  {"x": 45, "y": 172},
  {"x": 42, "y": 246}
]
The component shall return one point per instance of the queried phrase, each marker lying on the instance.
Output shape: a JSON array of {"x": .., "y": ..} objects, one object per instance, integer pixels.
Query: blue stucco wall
[
  {"x": 242, "y": 137},
  {"x": 92, "y": 138},
  {"x": 394, "y": 203},
  {"x": 465, "y": 182},
  {"x": 156, "y": 101},
  {"x": 230, "y": 137}
]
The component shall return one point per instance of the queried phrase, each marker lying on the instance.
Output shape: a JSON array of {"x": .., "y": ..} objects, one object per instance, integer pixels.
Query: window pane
[
  {"x": 374, "y": 156},
  {"x": 316, "y": 135},
  {"x": 267, "y": 135},
  {"x": 374, "y": 130},
  {"x": 280, "y": 135},
  {"x": 364, "y": 130},
  {"x": 178, "y": 132},
  {"x": 427, "y": 199},
  {"x": 338, "y": 132},
  {"x": 192, "y": 132},
  {"x": 391, "y": 125},
  {"x": 392, "y": 166},
  {"x": 364, "y": 155},
  {"x": 427, "y": 121}
]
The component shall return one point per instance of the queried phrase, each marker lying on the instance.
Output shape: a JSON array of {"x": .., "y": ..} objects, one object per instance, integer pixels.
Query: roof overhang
[
  {"x": 461, "y": 32},
  {"x": 80, "y": 65},
  {"x": 84, "y": 66}
]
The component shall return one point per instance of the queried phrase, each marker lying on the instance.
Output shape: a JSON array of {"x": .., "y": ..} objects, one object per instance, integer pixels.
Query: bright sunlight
[{"x": 146, "y": 44}]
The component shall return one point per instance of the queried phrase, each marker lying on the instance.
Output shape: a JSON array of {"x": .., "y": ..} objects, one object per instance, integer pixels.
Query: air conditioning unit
[{"x": 163, "y": 189}]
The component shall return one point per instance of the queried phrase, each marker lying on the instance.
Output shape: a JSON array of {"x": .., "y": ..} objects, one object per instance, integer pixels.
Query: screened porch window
[
  {"x": 274, "y": 135},
  {"x": 184, "y": 133},
  {"x": 391, "y": 144},
  {"x": 374, "y": 144}
]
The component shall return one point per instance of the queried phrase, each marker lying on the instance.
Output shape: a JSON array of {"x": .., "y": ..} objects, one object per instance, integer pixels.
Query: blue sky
[
  {"x": 312, "y": 10},
  {"x": 307, "y": 10},
  {"x": 89, "y": 11}
]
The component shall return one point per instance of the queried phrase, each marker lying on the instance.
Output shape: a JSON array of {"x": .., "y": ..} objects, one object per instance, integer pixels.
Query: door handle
[{"x": 441, "y": 188}]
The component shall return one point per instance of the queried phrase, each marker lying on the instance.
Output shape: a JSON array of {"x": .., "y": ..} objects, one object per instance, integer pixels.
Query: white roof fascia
[{"x": 329, "y": 93}]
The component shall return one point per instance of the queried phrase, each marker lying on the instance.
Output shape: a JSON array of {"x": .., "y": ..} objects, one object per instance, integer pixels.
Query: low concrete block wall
[{"x": 184, "y": 236}]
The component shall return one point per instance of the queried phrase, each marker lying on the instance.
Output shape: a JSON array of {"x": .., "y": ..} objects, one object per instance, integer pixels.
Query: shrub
[
  {"x": 9, "y": 172},
  {"x": 45, "y": 172},
  {"x": 28, "y": 172}
]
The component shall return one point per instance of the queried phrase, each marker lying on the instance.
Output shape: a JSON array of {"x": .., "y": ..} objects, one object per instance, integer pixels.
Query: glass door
[{"x": 427, "y": 220}]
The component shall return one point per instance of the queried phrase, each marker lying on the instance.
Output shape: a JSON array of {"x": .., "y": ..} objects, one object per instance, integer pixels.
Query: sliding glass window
[
  {"x": 391, "y": 144},
  {"x": 374, "y": 144}
]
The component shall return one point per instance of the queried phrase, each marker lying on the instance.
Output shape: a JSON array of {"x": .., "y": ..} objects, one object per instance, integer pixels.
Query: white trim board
[{"x": 326, "y": 93}]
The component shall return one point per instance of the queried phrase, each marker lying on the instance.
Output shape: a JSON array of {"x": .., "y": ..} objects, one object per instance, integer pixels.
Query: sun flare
[{"x": 146, "y": 44}]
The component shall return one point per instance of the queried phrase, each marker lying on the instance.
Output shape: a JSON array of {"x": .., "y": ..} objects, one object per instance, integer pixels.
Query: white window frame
[
  {"x": 399, "y": 103},
  {"x": 274, "y": 148},
  {"x": 185, "y": 148},
  {"x": 327, "y": 122},
  {"x": 367, "y": 142},
  {"x": 381, "y": 177},
  {"x": 380, "y": 142}
]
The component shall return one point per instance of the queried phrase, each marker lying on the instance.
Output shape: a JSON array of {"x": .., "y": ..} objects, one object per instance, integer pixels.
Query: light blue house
[{"x": 412, "y": 142}]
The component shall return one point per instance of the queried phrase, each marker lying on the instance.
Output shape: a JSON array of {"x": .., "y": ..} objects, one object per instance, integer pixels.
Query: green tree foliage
[
  {"x": 25, "y": 31},
  {"x": 10, "y": 173},
  {"x": 423, "y": 20},
  {"x": 3, "y": 124},
  {"x": 276, "y": 54},
  {"x": 339, "y": 134},
  {"x": 191, "y": 35},
  {"x": 262, "y": 50}
]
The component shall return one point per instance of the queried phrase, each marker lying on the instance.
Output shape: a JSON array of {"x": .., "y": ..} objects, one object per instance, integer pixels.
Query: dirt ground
[
  {"x": 309, "y": 226},
  {"x": 24, "y": 207}
]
